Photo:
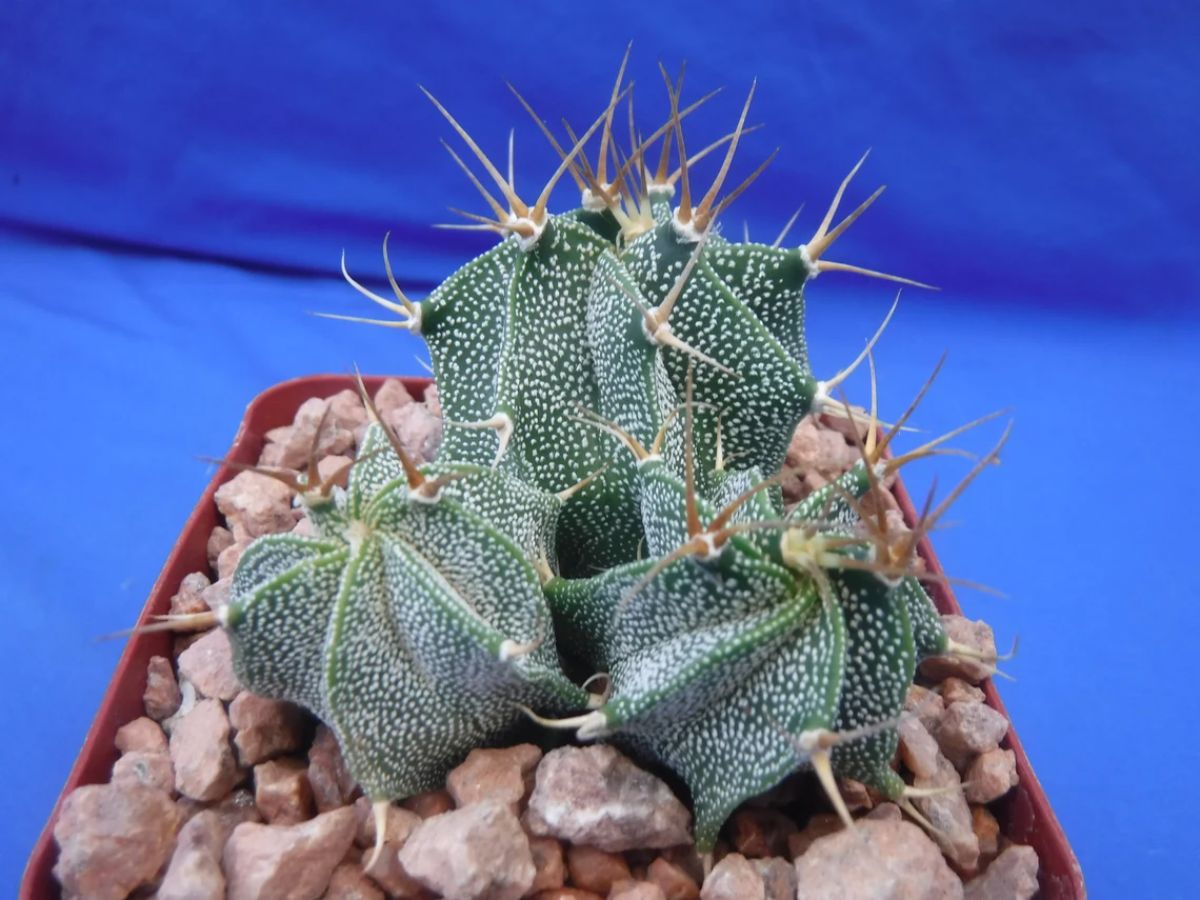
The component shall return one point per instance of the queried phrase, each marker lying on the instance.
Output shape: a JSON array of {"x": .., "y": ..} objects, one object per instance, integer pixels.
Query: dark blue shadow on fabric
[{"x": 177, "y": 187}]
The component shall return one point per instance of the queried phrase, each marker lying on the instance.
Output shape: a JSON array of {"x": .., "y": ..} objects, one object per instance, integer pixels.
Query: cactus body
[{"x": 620, "y": 385}]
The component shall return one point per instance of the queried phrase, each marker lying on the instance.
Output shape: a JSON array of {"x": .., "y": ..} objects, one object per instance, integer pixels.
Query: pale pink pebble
[
  {"x": 346, "y": 411},
  {"x": 389, "y": 873},
  {"x": 218, "y": 539},
  {"x": 205, "y": 767},
  {"x": 1011, "y": 876},
  {"x": 328, "y": 776},
  {"x": 278, "y": 450},
  {"x": 471, "y": 854},
  {"x": 147, "y": 768},
  {"x": 305, "y": 528},
  {"x": 141, "y": 734},
  {"x": 595, "y": 795},
  {"x": 673, "y": 880},
  {"x": 975, "y": 635},
  {"x": 266, "y": 728},
  {"x": 349, "y": 882},
  {"x": 877, "y": 860},
  {"x": 968, "y": 729},
  {"x": 281, "y": 791},
  {"x": 550, "y": 868},
  {"x": 254, "y": 504},
  {"x": 398, "y": 824},
  {"x": 195, "y": 870},
  {"x": 216, "y": 595},
  {"x": 733, "y": 878},
  {"x": 228, "y": 561},
  {"x": 433, "y": 400},
  {"x": 287, "y": 862},
  {"x": 419, "y": 430},
  {"x": 925, "y": 704},
  {"x": 162, "y": 696},
  {"x": 503, "y": 775},
  {"x": 596, "y": 870},
  {"x": 954, "y": 690},
  {"x": 112, "y": 839},
  {"x": 335, "y": 468},
  {"x": 636, "y": 890},
  {"x": 918, "y": 750},
  {"x": 992, "y": 775},
  {"x": 987, "y": 830},
  {"x": 950, "y": 815},
  {"x": 208, "y": 665},
  {"x": 428, "y": 804},
  {"x": 392, "y": 394},
  {"x": 778, "y": 876},
  {"x": 190, "y": 596}
]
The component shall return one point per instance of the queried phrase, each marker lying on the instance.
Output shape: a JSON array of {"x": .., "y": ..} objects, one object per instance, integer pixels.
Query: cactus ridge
[{"x": 620, "y": 384}]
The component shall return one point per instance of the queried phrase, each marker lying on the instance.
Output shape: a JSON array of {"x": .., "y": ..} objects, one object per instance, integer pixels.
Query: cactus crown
[{"x": 620, "y": 383}]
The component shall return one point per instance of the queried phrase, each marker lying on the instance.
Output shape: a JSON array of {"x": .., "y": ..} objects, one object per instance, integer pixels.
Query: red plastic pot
[{"x": 1024, "y": 814}]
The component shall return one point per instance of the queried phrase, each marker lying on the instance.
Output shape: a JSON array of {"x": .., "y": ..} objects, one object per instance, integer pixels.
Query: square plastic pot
[{"x": 1024, "y": 814}]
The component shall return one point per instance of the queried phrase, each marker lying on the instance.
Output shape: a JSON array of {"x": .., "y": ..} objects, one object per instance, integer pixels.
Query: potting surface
[{"x": 117, "y": 388}]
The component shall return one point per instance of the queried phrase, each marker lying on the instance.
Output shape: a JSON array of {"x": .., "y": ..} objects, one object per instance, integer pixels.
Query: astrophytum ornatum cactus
[{"x": 620, "y": 384}]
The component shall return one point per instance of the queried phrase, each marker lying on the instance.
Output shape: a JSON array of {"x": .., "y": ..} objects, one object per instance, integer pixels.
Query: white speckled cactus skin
[{"x": 620, "y": 384}]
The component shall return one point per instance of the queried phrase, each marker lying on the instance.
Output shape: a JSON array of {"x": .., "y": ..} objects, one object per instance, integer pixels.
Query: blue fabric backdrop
[{"x": 177, "y": 182}]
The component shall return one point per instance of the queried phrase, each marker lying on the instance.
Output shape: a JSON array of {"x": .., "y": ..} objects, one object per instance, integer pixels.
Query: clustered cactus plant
[{"x": 620, "y": 384}]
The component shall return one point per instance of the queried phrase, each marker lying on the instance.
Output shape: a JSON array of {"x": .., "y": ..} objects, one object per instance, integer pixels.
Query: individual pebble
[
  {"x": 190, "y": 596},
  {"x": 550, "y": 868},
  {"x": 987, "y": 830},
  {"x": 253, "y": 505},
  {"x": 350, "y": 882},
  {"x": 205, "y": 766},
  {"x": 992, "y": 775},
  {"x": 595, "y": 795},
  {"x": 218, "y": 539},
  {"x": 733, "y": 878},
  {"x": 195, "y": 871},
  {"x": 265, "y": 728},
  {"x": 778, "y": 876},
  {"x": 145, "y": 768},
  {"x": 208, "y": 665},
  {"x": 428, "y": 804},
  {"x": 673, "y": 880},
  {"x": 419, "y": 430},
  {"x": 918, "y": 750},
  {"x": 296, "y": 862},
  {"x": 398, "y": 823},
  {"x": 328, "y": 776},
  {"x": 142, "y": 734},
  {"x": 162, "y": 696},
  {"x": 976, "y": 636},
  {"x": 877, "y": 859},
  {"x": 282, "y": 792},
  {"x": 968, "y": 729},
  {"x": 472, "y": 853},
  {"x": 112, "y": 839},
  {"x": 636, "y": 890},
  {"x": 925, "y": 704},
  {"x": 1011, "y": 876},
  {"x": 955, "y": 690},
  {"x": 948, "y": 812},
  {"x": 503, "y": 775},
  {"x": 596, "y": 870}
]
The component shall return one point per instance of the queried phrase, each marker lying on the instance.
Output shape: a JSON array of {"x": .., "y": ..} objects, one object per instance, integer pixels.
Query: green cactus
[{"x": 620, "y": 384}]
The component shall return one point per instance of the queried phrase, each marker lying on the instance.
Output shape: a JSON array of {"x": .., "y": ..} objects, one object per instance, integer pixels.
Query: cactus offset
[{"x": 620, "y": 384}]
